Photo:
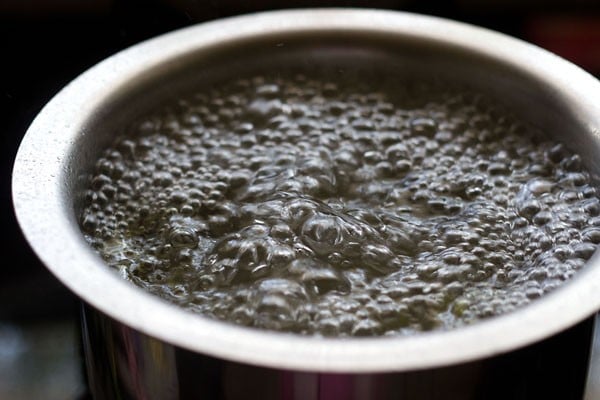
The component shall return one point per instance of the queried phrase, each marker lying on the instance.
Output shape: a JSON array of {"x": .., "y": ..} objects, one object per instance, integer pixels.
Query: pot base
[{"x": 125, "y": 363}]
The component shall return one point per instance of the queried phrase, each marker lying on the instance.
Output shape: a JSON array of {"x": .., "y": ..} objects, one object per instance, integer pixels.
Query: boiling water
[{"x": 334, "y": 208}]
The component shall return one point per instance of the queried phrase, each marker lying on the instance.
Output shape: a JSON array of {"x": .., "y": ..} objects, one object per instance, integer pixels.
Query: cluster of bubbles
[{"x": 337, "y": 208}]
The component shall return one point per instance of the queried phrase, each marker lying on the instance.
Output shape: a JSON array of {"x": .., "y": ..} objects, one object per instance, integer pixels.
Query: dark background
[{"x": 46, "y": 43}]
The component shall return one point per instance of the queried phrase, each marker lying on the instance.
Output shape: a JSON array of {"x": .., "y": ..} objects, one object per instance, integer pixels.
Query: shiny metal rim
[{"x": 43, "y": 210}]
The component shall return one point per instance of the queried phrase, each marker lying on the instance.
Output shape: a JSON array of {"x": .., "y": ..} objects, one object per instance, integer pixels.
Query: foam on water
[{"x": 335, "y": 208}]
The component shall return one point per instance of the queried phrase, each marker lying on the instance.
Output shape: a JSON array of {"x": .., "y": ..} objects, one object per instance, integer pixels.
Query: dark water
[{"x": 333, "y": 208}]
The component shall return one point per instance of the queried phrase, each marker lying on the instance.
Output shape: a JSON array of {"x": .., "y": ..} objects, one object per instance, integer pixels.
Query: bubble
[
  {"x": 529, "y": 208},
  {"x": 322, "y": 233},
  {"x": 317, "y": 277},
  {"x": 584, "y": 250},
  {"x": 557, "y": 152},
  {"x": 591, "y": 235},
  {"x": 182, "y": 237},
  {"x": 284, "y": 287},
  {"x": 542, "y": 217},
  {"x": 423, "y": 126},
  {"x": 498, "y": 168}
]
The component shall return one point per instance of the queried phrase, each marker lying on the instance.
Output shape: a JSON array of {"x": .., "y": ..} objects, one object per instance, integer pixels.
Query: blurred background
[{"x": 46, "y": 43}]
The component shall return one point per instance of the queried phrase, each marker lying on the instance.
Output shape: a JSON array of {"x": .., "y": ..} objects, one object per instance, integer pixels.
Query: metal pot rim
[{"x": 44, "y": 215}]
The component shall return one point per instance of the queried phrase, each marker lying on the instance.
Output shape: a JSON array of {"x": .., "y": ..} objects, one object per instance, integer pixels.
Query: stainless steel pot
[{"x": 138, "y": 346}]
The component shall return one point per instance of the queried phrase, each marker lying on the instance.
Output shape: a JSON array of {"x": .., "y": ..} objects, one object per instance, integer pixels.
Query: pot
[{"x": 138, "y": 346}]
